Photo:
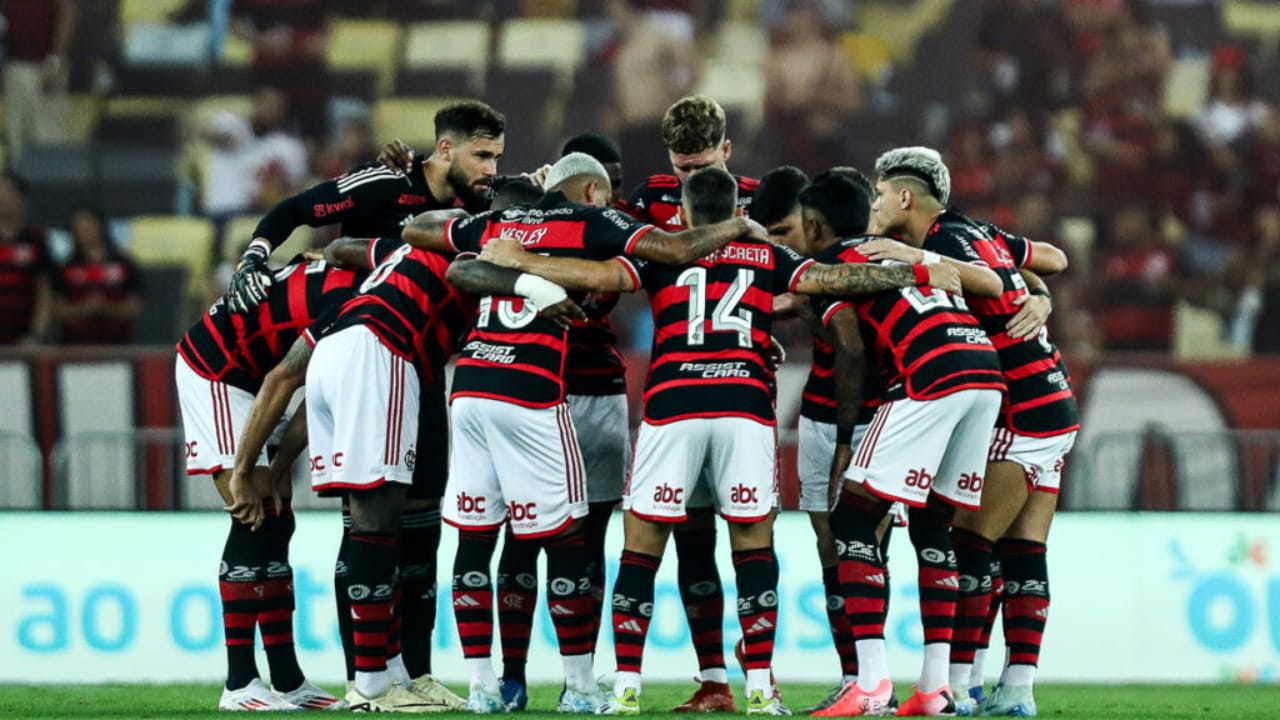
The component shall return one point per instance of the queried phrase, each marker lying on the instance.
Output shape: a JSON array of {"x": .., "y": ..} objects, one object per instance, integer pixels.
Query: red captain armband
[{"x": 922, "y": 275}]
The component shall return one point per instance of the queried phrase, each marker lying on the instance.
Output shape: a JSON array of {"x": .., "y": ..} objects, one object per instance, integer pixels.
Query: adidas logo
[
  {"x": 560, "y": 610},
  {"x": 950, "y": 581},
  {"x": 630, "y": 626},
  {"x": 877, "y": 579},
  {"x": 760, "y": 626},
  {"x": 1042, "y": 613},
  {"x": 466, "y": 601},
  {"x": 361, "y": 707}
]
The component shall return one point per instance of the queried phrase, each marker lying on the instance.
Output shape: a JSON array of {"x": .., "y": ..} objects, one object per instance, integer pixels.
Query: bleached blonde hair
[
  {"x": 922, "y": 164},
  {"x": 575, "y": 165}
]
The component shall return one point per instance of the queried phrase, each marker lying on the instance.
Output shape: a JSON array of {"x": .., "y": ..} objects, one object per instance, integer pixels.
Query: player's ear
[
  {"x": 728, "y": 149},
  {"x": 444, "y": 148}
]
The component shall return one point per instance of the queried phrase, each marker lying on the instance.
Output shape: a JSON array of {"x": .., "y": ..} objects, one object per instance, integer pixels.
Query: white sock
[
  {"x": 975, "y": 676},
  {"x": 873, "y": 666},
  {"x": 626, "y": 680},
  {"x": 399, "y": 673},
  {"x": 848, "y": 679},
  {"x": 758, "y": 679},
  {"x": 937, "y": 661},
  {"x": 373, "y": 684},
  {"x": 1020, "y": 675},
  {"x": 482, "y": 677},
  {"x": 715, "y": 675},
  {"x": 577, "y": 673},
  {"x": 960, "y": 674}
]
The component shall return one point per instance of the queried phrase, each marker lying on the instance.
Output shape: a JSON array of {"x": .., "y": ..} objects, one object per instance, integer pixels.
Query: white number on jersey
[
  {"x": 506, "y": 313},
  {"x": 384, "y": 270},
  {"x": 726, "y": 316}
]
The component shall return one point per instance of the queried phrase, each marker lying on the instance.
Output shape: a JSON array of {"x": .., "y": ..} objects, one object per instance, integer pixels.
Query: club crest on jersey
[
  {"x": 525, "y": 236},
  {"x": 410, "y": 459}
]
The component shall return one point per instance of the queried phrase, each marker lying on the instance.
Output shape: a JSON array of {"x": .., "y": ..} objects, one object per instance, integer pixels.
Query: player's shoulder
[
  {"x": 365, "y": 173},
  {"x": 662, "y": 181}
]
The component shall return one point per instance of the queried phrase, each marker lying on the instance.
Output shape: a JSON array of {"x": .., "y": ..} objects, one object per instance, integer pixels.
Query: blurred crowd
[{"x": 1155, "y": 163}]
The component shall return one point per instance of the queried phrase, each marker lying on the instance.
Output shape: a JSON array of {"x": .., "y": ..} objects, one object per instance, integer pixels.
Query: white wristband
[
  {"x": 258, "y": 247},
  {"x": 930, "y": 258},
  {"x": 540, "y": 291}
]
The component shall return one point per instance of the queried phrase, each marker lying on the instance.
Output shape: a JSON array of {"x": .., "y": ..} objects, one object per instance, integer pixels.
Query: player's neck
[
  {"x": 436, "y": 171},
  {"x": 918, "y": 224}
]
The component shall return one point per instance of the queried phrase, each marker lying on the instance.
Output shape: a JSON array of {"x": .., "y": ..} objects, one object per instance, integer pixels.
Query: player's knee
[
  {"x": 377, "y": 509},
  {"x": 928, "y": 529},
  {"x": 751, "y": 535},
  {"x": 645, "y": 536}
]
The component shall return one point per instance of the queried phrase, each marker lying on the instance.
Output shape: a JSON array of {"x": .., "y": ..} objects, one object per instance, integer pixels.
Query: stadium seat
[
  {"x": 1186, "y": 87},
  {"x": 359, "y": 84},
  {"x": 239, "y": 231},
  {"x": 410, "y": 119},
  {"x": 1198, "y": 334},
  {"x": 735, "y": 85},
  {"x": 1077, "y": 235},
  {"x": 870, "y": 54},
  {"x": 1252, "y": 17},
  {"x": 163, "y": 80},
  {"x": 559, "y": 44},
  {"x": 163, "y": 318},
  {"x": 165, "y": 240},
  {"x": 742, "y": 10},
  {"x": 151, "y": 131},
  {"x": 365, "y": 45},
  {"x": 147, "y": 11},
  {"x": 438, "y": 81},
  {"x": 740, "y": 42},
  {"x": 455, "y": 43},
  {"x": 162, "y": 43},
  {"x": 527, "y": 96},
  {"x": 61, "y": 178}
]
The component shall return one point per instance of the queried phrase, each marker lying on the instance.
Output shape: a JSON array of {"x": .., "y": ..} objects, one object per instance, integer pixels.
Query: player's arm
[
  {"x": 975, "y": 279},
  {"x": 849, "y": 366},
  {"x": 486, "y": 279},
  {"x": 1044, "y": 258},
  {"x": 268, "y": 407},
  {"x": 292, "y": 442},
  {"x": 349, "y": 252},
  {"x": 613, "y": 275},
  {"x": 689, "y": 245},
  {"x": 866, "y": 279},
  {"x": 428, "y": 230},
  {"x": 1036, "y": 306}
]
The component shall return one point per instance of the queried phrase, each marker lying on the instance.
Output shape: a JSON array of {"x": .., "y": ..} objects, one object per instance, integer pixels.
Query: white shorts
[
  {"x": 512, "y": 463},
  {"x": 817, "y": 447},
  {"x": 914, "y": 447},
  {"x": 213, "y": 416},
  {"x": 739, "y": 455},
  {"x": 1041, "y": 458},
  {"x": 362, "y": 413},
  {"x": 604, "y": 436}
]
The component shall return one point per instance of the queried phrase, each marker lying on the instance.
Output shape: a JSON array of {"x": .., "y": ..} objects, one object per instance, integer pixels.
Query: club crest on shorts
[{"x": 410, "y": 459}]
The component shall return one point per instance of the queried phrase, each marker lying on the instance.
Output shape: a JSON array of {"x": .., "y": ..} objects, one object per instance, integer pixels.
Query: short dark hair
[
  {"x": 841, "y": 201},
  {"x": 509, "y": 191},
  {"x": 711, "y": 195},
  {"x": 692, "y": 125},
  {"x": 599, "y": 147},
  {"x": 857, "y": 176},
  {"x": 470, "y": 119},
  {"x": 778, "y": 194}
]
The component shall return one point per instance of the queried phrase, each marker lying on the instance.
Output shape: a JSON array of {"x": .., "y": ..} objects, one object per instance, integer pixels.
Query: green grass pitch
[{"x": 1064, "y": 702}]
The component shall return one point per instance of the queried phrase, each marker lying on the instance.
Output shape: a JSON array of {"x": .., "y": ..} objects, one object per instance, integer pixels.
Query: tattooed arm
[
  {"x": 866, "y": 279},
  {"x": 689, "y": 245}
]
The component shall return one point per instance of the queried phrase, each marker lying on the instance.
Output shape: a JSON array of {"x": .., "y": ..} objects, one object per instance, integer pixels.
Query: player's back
[
  {"x": 712, "y": 323},
  {"x": 241, "y": 349},
  {"x": 657, "y": 200},
  {"x": 926, "y": 342}
]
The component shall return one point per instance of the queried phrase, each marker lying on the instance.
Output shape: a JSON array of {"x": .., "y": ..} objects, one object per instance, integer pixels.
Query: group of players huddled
[{"x": 935, "y": 401}]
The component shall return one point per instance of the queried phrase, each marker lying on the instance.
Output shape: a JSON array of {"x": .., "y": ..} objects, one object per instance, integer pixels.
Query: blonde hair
[
  {"x": 922, "y": 164},
  {"x": 693, "y": 124}
]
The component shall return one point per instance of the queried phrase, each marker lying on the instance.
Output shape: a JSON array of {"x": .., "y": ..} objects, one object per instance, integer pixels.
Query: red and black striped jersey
[
  {"x": 240, "y": 349},
  {"x": 114, "y": 279},
  {"x": 594, "y": 366},
  {"x": 818, "y": 401},
  {"x": 925, "y": 341},
  {"x": 409, "y": 305},
  {"x": 1040, "y": 401},
  {"x": 513, "y": 354},
  {"x": 712, "y": 320},
  {"x": 657, "y": 200},
  {"x": 23, "y": 261}
]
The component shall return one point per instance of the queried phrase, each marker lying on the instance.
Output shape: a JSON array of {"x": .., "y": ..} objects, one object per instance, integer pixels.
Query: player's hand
[
  {"x": 249, "y": 283},
  {"x": 246, "y": 504},
  {"x": 397, "y": 155},
  {"x": 564, "y": 313},
  {"x": 313, "y": 255},
  {"x": 886, "y": 249},
  {"x": 839, "y": 463},
  {"x": 1030, "y": 318},
  {"x": 504, "y": 252},
  {"x": 777, "y": 353},
  {"x": 537, "y": 177},
  {"x": 945, "y": 276},
  {"x": 756, "y": 230},
  {"x": 281, "y": 488}
]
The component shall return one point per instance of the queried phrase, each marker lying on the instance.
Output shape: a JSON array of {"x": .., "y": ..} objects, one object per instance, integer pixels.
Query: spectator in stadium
[
  {"x": 1233, "y": 110},
  {"x": 1025, "y": 51},
  {"x": 1256, "y": 324},
  {"x": 812, "y": 90},
  {"x": 98, "y": 293},
  {"x": 37, "y": 38},
  {"x": 26, "y": 296},
  {"x": 1137, "y": 284},
  {"x": 352, "y": 143},
  {"x": 289, "y": 39}
]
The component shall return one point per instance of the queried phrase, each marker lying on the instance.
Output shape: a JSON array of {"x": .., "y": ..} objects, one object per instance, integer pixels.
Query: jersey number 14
[{"x": 726, "y": 316}]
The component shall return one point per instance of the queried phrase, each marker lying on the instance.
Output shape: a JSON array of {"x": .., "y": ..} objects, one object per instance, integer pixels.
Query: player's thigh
[
  {"x": 742, "y": 459},
  {"x": 901, "y": 450},
  {"x": 959, "y": 480},
  {"x": 1004, "y": 492},
  {"x": 473, "y": 497},
  {"x": 213, "y": 417},
  {"x": 431, "y": 468},
  {"x": 605, "y": 441},
  {"x": 1036, "y": 518},
  {"x": 667, "y": 462},
  {"x": 535, "y": 454},
  {"x": 815, "y": 448}
]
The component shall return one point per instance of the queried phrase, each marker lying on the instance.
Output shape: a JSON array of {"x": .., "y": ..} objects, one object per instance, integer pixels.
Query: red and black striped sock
[
  {"x": 569, "y": 594},
  {"x": 1026, "y": 599},
  {"x": 594, "y": 533},
  {"x": 517, "y": 601},
  {"x": 473, "y": 592},
  {"x": 973, "y": 565},
  {"x": 757, "y": 578},
  {"x": 372, "y": 560},
  {"x": 240, "y": 584},
  {"x": 340, "y": 577},
  {"x": 702, "y": 594},
  {"x": 861, "y": 570},
  {"x": 275, "y": 617},
  {"x": 841, "y": 634},
  {"x": 633, "y": 607},
  {"x": 931, "y": 536},
  {"x": 416, "y": 610},
  {"x": 997, "y": 598}
]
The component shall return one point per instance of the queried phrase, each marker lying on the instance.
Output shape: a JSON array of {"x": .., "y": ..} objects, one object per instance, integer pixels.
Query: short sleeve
[
  {"x": 788, "y": 266},
  {"x": 638, "y": 268},
  {"x": 610, "y": 232},
  {"x": 382, "y": 248},
  {"x": 465, "y": 235},
  {"x": 1019, "y": 247},
  {"x": 825, "y": 306},
  {"x": 953, "y": 245}
]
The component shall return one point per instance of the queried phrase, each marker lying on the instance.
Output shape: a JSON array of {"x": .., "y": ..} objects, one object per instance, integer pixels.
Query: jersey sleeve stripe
[
  {"x": 630, "y": 268},
  {"x": 831, "y": 311},
  {"x": 799, "y": 273},
  {"x": 365, "y": 177},
  {"x": 1026, "y": 258},
  {"x": 371, "y": 254},
  {"x": 448, "y": 233},
  {"x": 631, "y": 241}
]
